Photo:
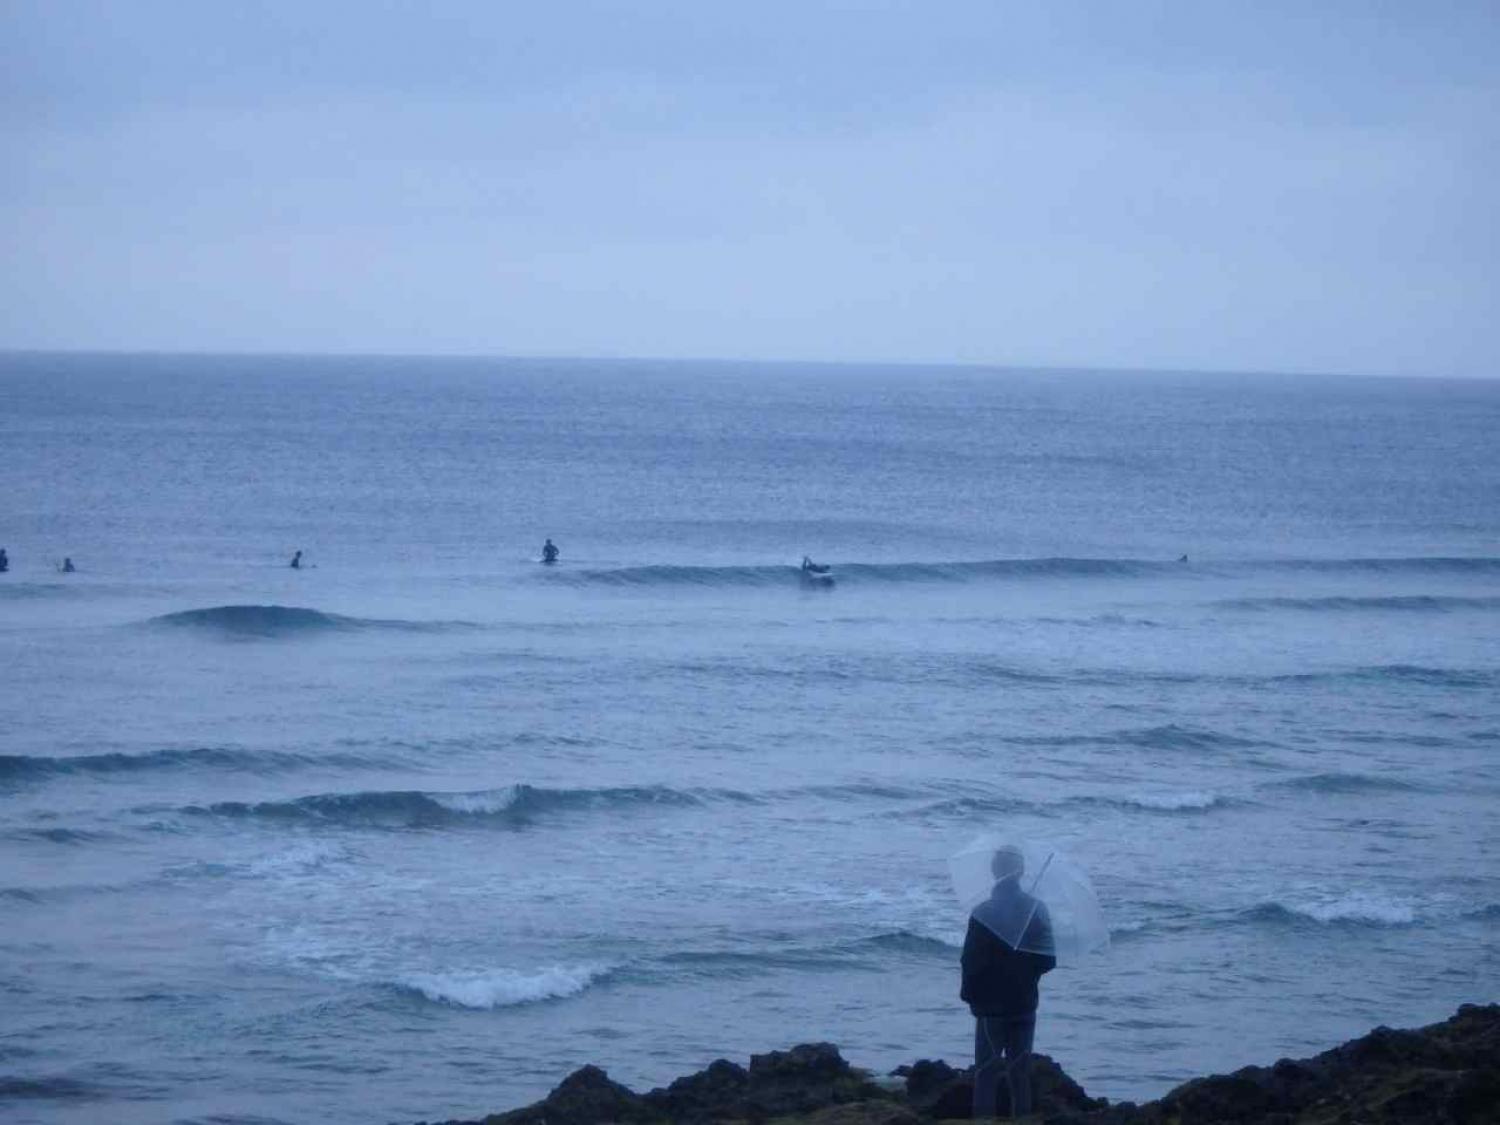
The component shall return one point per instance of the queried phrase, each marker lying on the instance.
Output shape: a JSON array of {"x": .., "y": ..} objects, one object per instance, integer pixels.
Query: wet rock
[
  {"x": 938, "y": 1091},
  {"x": 585, "y": 1097},
  {"x": 808, "y": 1077},
  {"x": 1446, "y": 1074},
  {"x": 712, "y": 1094}
]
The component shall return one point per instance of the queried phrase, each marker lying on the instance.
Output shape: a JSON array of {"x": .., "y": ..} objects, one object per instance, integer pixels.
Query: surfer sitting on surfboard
[{"x": 549, "y": 552}]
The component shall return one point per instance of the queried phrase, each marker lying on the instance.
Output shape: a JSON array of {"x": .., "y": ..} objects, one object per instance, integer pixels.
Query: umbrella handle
[{"x": 1042, "y": 872}]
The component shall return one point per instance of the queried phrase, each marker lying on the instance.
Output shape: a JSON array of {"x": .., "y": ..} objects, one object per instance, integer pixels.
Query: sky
[{"x": 1269, "y": 186}]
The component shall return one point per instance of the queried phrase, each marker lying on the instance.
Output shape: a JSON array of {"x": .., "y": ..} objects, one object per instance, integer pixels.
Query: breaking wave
[
  {"x": 515, "y": 806},
  {"x": 1354, "y": 908},
  {"x": 503, "y": 988},
  {"x": 1190, "y": 801}
]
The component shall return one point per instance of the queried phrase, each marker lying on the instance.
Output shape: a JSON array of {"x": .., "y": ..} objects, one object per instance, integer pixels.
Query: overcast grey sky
[{"x": 1269, "y": 186}]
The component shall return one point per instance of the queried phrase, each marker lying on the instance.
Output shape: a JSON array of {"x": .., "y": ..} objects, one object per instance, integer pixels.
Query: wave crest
[
  {"x": 17, "y": 767},
  {"x": 512, "y": 807},
  {"x": 503, "y": 988},
  {"x": 1187, "y": 801},
  {"x": 1354, "y": 908},
  {"x": 285, "y": 621},
  {"x": 1345, "y": 783}
]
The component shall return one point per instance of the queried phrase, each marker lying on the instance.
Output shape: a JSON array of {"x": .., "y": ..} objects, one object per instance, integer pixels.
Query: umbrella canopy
[{"x": 1031, "y": 896}]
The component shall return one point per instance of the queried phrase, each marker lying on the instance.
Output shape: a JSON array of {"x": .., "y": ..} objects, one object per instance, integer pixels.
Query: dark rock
[
  {"x": 712, "y": 1094},
  {"x": 585, "y": 1097},
  {"x": 808, "y": 1077},
  {"x": 1054, "y": 1092},
  {"x": 924, "y": 1079},
  {"x": 1446, "y": 1074},
  {"x": 864, "y": 1113},
  {"x": 939, "y": 1091}
]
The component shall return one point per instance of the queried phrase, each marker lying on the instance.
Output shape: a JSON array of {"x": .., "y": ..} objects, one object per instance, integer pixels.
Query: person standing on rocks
[{"x": 1000, "y": 983}]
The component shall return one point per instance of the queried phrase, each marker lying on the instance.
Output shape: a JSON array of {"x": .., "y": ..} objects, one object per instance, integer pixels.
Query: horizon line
[{"x": 727, "y": 361}]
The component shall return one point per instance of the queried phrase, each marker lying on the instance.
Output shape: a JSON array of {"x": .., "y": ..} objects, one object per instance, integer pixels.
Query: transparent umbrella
[{"x": 1031, "y": 896}]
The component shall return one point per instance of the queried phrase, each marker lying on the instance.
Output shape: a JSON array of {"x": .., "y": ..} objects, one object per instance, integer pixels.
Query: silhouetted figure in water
[
  {"x": 296, "y": 563},
  {"x": 68, "y": 567},
  {"x": 4, "y": 561},
  {"x": 999, "y": 984},
  {"x": 1183, "y": 559},
  {"x": 810, "y": 567},
  {"x": 550, "y": 552}
]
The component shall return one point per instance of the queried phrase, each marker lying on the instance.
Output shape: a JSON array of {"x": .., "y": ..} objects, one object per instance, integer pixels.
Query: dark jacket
[{"x": 999, "y": 980}]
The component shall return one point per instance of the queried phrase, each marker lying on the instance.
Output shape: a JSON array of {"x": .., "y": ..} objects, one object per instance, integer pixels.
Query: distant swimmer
[
  {"x": 810, "y": 567},
  {"x": 550, "y": 552},
  {"x": 68, "y": 567},
  {"x": 1183, "y": 559},
  {"x": 296, "y": 563},
  {"x": 4, "y": 561}
]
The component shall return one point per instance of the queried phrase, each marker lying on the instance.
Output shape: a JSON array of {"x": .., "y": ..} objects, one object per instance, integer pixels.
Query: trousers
[{"x": 1002, "y": 1050}]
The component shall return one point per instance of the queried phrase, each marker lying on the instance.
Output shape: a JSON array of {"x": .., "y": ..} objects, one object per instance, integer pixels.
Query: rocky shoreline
[{"x": 1444, "y": 1074}]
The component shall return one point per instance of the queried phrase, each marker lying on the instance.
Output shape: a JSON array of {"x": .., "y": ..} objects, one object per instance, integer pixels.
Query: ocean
[{"x": 414, "y": 831}]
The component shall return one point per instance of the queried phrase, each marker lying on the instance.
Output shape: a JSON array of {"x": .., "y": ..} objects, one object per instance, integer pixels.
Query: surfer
[
  {"x": 549, "y": 552},
  {"x": 296, "y": 563},
  {"x": 68, "y": 567},
  {"x": 4, "y": 561},
  {"x": 810, "y": 567},
  {"x": 1183, "y": 559}
]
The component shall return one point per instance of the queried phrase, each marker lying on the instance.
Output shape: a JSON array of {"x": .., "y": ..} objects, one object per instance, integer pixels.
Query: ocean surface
[{"x": 415, "y": 831}]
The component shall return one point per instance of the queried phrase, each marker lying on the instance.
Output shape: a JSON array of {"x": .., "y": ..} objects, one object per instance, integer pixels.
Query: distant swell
[
  {"x": 512, "y": 807},
  {"x": 1345, "y": 783},
  {"x": 502, "y": 988},
  {"x": 22, "y": 767},
  {"x": 47, "y": 1089},
  {"x": 1399, "y": 674},
  {"x": 1170, "y": 736},
  {"x": 713, "y": 576},
  {"x": 284, "y": 621},
  {"x": 1022, "y": 569},
  {"x": 1411, "y": 603},
  {"x": 56, "y": 835},
  {"x": 1437, "y": 564}
]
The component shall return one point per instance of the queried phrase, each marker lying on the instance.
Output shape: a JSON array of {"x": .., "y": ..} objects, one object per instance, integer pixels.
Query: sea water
[{"x": 416, "y": 830}]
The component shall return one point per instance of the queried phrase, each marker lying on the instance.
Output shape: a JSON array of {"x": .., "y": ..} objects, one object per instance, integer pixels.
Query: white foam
[
  {"x": 1174, "y": 802},
  {"x": 300, "y": 859},
  {"x": 484, "y": 801},
  {"x": 1357, "y": 906},
  {"x": 503, "y": 988}
]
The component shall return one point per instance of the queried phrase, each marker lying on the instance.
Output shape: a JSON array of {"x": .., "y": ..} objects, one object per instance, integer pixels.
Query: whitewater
[{"x": 413, "y": 832}]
